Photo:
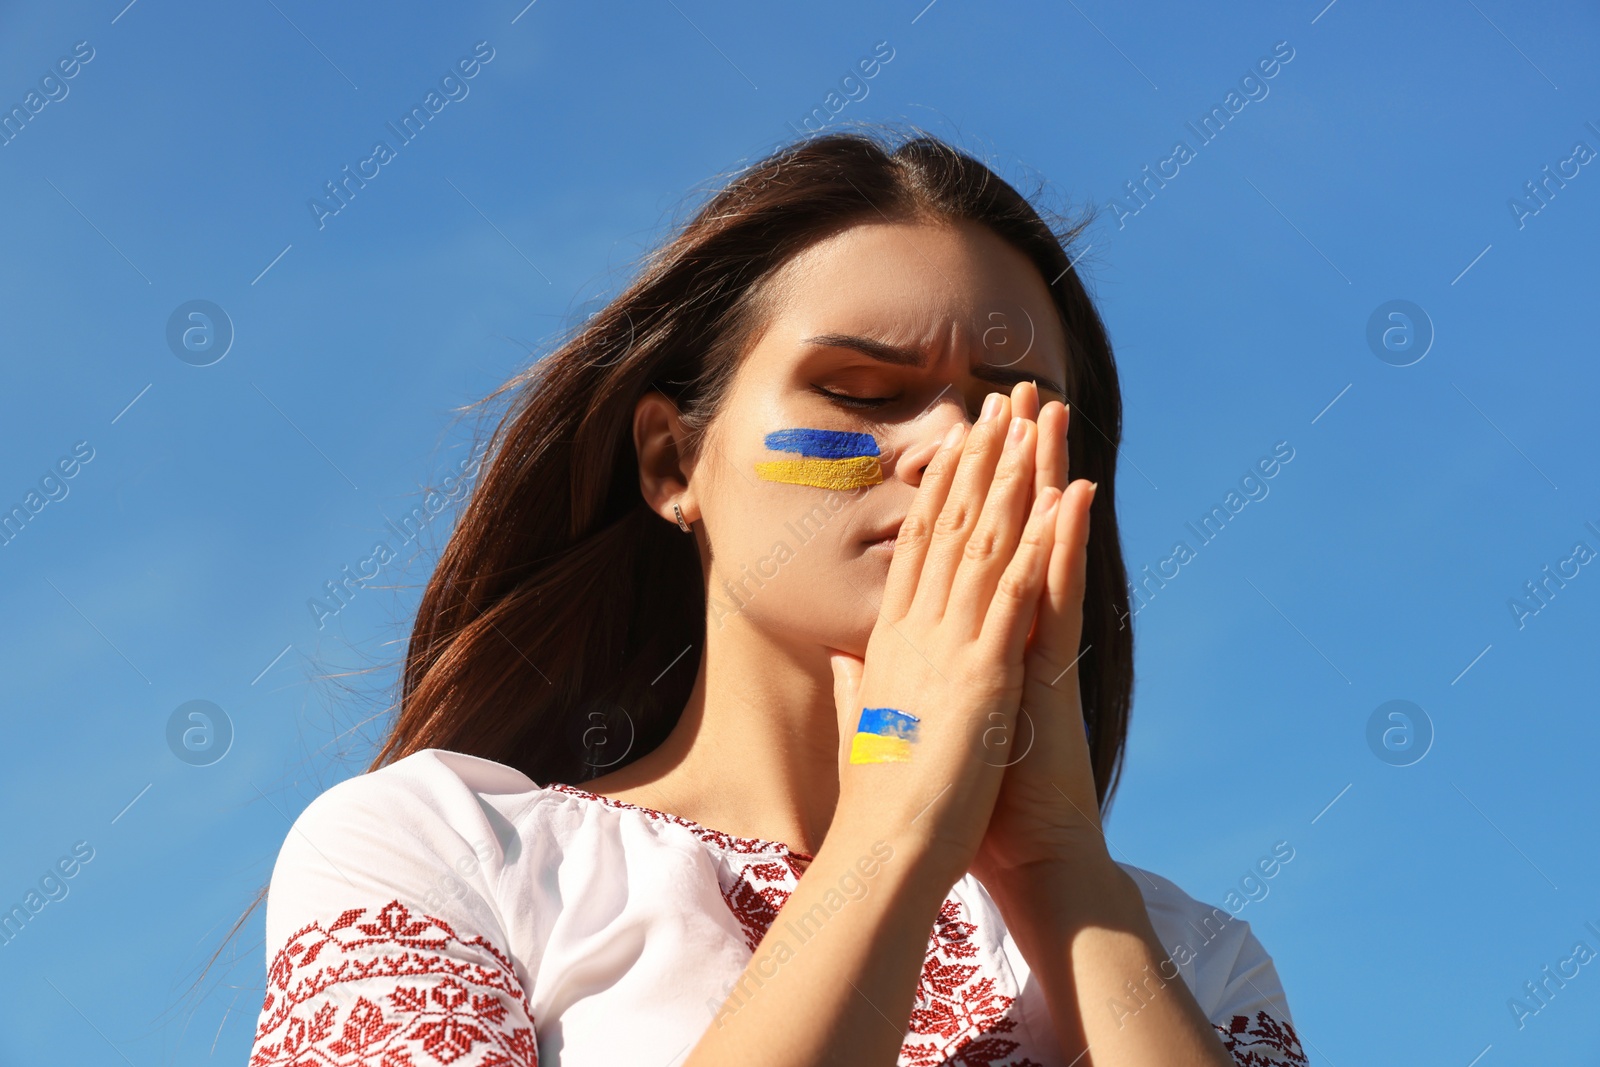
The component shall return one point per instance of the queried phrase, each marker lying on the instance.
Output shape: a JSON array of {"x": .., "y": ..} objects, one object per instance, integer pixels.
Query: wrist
[
  {"x": 917, "y": 869},
  {"x": 917, "y": 866},
  {"x": 1060, "y": 896}
]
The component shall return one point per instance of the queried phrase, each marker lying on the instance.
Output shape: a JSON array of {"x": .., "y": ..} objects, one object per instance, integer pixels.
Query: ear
[{"x": 658, "y": 436}]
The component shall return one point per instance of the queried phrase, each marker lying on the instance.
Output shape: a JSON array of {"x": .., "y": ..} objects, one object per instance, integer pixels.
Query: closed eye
[{"x": 854, "y": 401}]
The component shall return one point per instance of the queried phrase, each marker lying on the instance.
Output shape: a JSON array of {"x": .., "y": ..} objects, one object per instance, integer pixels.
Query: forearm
[
  {"x": 833, "y": 980},
  {"x": 1111, "y": 987}
]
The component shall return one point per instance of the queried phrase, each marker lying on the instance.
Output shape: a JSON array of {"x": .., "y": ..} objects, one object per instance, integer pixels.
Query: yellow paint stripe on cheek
[{"x": 852, "y": 473}]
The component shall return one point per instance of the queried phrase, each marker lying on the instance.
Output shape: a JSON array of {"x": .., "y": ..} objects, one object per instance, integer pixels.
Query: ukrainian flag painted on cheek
[
  {"x": 829, "y": 459},
  {"x": 884, "y": 735}
]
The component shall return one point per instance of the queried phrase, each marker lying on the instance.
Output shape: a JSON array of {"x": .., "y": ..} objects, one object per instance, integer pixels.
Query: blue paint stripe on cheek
[{"x": 823, "y": 444}]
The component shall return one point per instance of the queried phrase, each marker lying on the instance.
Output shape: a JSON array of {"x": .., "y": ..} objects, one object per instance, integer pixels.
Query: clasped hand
[{"x": 961, "y": 594}]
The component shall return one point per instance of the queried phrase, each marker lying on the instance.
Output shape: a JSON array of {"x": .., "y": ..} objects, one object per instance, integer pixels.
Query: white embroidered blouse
[{"x": 445, "y": 909}]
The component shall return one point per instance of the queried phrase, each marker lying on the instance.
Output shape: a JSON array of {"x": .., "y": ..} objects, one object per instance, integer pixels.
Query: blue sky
[{"x": 208, "y": 504}]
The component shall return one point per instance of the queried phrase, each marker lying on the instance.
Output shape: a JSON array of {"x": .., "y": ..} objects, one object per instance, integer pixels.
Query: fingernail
[
  {"x": 991, "y": 407},
  {"x": 951, "y": 436},
  {"x": 1014, "y": 435},
  {"x": 1047, "y": 500}
]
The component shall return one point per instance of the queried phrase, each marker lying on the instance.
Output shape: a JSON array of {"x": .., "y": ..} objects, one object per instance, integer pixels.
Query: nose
[{"x": 923, "y": 441}]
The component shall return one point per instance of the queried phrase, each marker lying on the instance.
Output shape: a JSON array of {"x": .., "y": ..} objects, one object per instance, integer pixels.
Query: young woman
[{"x": 766, "y": 700}]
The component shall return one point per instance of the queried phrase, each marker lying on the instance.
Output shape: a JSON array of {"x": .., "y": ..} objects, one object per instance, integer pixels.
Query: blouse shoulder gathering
[
  {"x": 446, "y": 909},
  {"x": 1233, "y": 978}
]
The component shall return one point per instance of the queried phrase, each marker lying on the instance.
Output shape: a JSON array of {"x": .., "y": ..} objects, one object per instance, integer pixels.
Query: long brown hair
[{"x": 560, "y": 596}]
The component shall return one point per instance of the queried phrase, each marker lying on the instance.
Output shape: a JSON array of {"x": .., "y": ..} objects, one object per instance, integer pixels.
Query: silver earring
[{"x": 676, "y": 510}]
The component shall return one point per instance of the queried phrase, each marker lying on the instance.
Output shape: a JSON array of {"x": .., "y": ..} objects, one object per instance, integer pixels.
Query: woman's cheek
[{"x": 784, "y": 568}]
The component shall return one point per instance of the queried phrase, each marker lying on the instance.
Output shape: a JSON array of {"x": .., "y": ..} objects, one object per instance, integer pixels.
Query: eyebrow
[{"x": 910, "y": 357}]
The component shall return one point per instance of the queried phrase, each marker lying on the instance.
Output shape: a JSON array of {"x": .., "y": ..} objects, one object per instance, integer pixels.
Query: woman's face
[{"x": 909, "y": 325}]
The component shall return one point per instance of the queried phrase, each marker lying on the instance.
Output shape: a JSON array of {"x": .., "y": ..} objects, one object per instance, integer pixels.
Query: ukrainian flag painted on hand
[
  {"x": 883, "y": 735},
  {"x": 830, "y": 459}
]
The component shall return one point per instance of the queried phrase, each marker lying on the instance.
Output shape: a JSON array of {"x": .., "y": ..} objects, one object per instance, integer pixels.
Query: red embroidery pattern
[
  {"x": 456, "y": 1011},
  {"x": 1269, "y": 1043},
  {"x": 965, "y": 1016},
  {"x": 757, "y": 892}
]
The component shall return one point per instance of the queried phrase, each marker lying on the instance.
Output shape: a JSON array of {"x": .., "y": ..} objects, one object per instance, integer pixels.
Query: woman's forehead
[{"x": 949, "y": 291}]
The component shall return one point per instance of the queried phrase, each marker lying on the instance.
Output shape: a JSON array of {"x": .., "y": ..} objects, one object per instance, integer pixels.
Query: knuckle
[
  {"x": 981, "y": 545},
  {"x": 914, "y": 528},
  {"x": 953, "y": 519},
  {"x": 1017, "y": 477},
  {"x": 1014, "y": 583}
]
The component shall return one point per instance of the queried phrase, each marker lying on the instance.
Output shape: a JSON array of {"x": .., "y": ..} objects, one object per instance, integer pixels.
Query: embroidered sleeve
[
  {"x": 1253, "y": 1016},
  {"x": 370, "y": 964}
]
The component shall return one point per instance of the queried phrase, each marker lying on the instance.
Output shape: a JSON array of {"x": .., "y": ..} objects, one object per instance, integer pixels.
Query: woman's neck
[{"x": 755, "y": 752}]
